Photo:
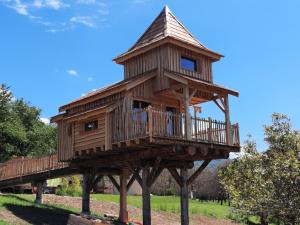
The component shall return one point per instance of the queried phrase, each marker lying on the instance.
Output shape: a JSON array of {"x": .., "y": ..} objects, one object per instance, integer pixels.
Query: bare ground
[{"x": 40, "y": 216}]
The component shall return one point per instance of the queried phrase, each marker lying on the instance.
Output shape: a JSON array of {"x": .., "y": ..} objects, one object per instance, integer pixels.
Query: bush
[{"x": 74, "y": 189}]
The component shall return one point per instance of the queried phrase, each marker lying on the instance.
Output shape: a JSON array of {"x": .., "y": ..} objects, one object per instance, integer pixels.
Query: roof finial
[{"x": 166, "y": 9}]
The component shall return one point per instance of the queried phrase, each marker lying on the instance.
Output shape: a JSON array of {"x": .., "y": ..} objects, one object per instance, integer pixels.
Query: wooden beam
[
  {"x": 184, "y": 197},
  {"x": 88, "y": 178},
  {"x": 130, "y": 182},
  {"x": 192, "y": 94},
  {"x": 135, "y": 173},
  {"x": 227, "y": 121},
  {"x": 176, "y": 78},
  {"x": 146, "y": 196},
  {"x": 115, "y": 183},
  {"x": 39, "y": 192},
  {"x": 175, "y": 175},
  {"x": 218, "y": 104},
  {"x": 123, "y": 213},
  {"x": 141, "y": 80},
  {"x": 96, "y": 180},
  {"x": 188, "y": 130},
  {"x": 154, "y": 170},
  {"x": 158, "y": 172},
  {"x": 198, "y": 171}
]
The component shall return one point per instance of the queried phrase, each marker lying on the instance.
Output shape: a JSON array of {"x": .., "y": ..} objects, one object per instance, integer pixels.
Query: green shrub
[{"x": 74, "y": 189}]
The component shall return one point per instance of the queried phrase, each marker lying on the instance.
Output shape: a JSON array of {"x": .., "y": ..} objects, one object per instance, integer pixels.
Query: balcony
[{"x": 151, "y": 123}]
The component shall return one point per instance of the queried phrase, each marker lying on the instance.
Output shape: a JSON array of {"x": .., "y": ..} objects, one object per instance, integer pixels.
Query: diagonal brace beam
[
  {"x": 198, "y": 171},
  {"x": 115, "y": 183},
  {"x": 176, "y": 176}
]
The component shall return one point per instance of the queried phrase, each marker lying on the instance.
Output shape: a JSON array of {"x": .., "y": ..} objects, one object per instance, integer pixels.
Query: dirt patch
[{"x": 158, "y": 218}]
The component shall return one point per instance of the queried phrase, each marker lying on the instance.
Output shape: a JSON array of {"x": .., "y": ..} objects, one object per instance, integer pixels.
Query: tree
[
  {"x": 21, "y": 131},
  {"x": 268, "y": 184}
]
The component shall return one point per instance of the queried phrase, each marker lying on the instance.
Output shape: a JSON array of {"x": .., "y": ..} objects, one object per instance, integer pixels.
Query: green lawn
[{"x": 172, "y": 204}]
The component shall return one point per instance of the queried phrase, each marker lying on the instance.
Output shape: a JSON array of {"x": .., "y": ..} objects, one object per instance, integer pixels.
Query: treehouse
[
  {"x": 150, "y": 119},
  {"x": 167, "y": 75}
]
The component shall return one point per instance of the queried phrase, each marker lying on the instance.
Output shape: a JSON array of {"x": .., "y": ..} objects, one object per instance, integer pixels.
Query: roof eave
[{"x": 135, "y": 52}]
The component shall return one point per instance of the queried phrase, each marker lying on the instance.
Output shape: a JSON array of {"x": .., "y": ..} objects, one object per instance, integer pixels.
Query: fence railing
[
  {"x": 154, "y": 123},
  {"x": 23, "y": 166}
]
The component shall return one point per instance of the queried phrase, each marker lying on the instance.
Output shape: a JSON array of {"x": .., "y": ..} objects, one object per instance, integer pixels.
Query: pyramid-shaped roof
[{"x": 165, "y": 26}]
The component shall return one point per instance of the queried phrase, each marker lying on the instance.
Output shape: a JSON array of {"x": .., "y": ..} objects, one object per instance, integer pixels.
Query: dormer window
[
  {"x": 91, "y": 125},
  {"x": 188, "y": 64}
]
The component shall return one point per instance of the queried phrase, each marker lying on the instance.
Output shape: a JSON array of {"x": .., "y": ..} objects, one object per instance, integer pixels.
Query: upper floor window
[
  {"x": 91, "y": 125},
  {"x": 188, "y": 64}
]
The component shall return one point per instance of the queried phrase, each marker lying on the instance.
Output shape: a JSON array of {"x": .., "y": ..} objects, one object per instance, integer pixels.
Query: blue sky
[{"x": 53, "y": 51}]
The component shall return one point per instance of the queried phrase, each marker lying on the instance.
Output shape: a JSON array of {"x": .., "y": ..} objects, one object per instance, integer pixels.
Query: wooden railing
[
  {"x": 154, "y": 123},
  {"x": 26, "y": 166}
]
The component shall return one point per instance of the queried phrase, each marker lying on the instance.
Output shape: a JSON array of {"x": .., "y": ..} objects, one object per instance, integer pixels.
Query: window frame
[
  {"x": 84, "y": 124},
  {"x": 191, "y": 59}
]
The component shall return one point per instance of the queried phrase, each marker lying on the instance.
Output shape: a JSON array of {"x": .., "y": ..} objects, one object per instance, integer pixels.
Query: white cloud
[
  {"x": 84, "y": 20},
  {"x": 19, "y": 7},
  {"x": 72, "y": 72},
  {"x": 90, "y": 79},
  {"x": 86, "y": 2},
  {"x": 94, "y": 12},
  {"x": 55, "y": 4},
  {"x": 45, "y": 120}
]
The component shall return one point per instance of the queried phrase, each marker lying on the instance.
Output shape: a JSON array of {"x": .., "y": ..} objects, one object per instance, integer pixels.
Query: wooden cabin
[{"x": 167, "y": 76}]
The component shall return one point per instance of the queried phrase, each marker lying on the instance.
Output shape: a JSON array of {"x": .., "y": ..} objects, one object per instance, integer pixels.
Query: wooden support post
[
  {"x": 39, "y": 192},
  {"x": 86, "y": 188},
  {"x": 188, "y": 130},
  {"x": 146, "y": 196},
  {"x": 184, "y": 197},
  {"x": 227, "y": 121},
  {"x": 123, "y": 214}
]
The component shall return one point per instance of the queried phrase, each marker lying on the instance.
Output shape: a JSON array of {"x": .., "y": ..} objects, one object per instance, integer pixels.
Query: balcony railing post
[
  {"x": 209, "y": 130},
  {"x": 150, "y": 127}
]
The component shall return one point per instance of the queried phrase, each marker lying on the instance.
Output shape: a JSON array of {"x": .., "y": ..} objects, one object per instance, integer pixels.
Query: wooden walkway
[{"x": 22, "y": 170}]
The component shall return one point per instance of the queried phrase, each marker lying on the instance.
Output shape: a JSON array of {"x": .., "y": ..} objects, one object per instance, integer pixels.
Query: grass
[
  {"x": 21, "y": 205},
  {"x": 172, "y": 204},
  {"x": 2, "y": 222}
]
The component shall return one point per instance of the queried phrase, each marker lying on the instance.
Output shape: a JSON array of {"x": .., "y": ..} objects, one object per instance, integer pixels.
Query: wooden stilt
[
  {"x": 146, "y": 196},
  {"x": 39, "y": 192},
  {"x": 86, "y": 188},
  {"x": 123, "y": 214},
  {"x": 184, "y": 197}
]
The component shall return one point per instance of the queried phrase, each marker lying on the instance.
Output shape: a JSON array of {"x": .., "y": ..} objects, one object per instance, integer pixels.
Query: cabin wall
[
  {"x": 86, "y": 140},
  {"x": 65, "y": 140},
  {"x": 168, "y": 57},
  {"x": 174, "y": 54},
  {"x": 141, "y": 63},
  {"x": 73, "y": 139}
]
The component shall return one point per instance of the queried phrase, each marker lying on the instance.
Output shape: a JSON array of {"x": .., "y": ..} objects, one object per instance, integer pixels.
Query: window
[
  {"x": 140, "y": 104},
  {"x": 91, "y": 125},
  {"x": 188, "y": 64}
]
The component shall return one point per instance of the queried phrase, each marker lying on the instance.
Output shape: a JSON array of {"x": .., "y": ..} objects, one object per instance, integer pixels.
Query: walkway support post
[
  {"x": 123, "y": 213},
  {"x": 146, "y": 196},
  {"x": 39, "y": 191},
  {"x": 184, "y": 197},
  {"x": 86, "y": 188}
]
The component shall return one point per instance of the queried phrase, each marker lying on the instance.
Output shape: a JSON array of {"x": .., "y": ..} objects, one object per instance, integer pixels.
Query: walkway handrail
[{"x": 23, "y": 166}]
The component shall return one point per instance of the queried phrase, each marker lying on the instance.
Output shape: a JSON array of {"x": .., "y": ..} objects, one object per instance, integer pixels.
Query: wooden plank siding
[
  {"x": 91, "y": 139},
  {"x": 168, "y": 57}
]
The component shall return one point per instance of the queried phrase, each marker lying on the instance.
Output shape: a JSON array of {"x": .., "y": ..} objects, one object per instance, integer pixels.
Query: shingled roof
[{"x": 166, "y": 25}]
